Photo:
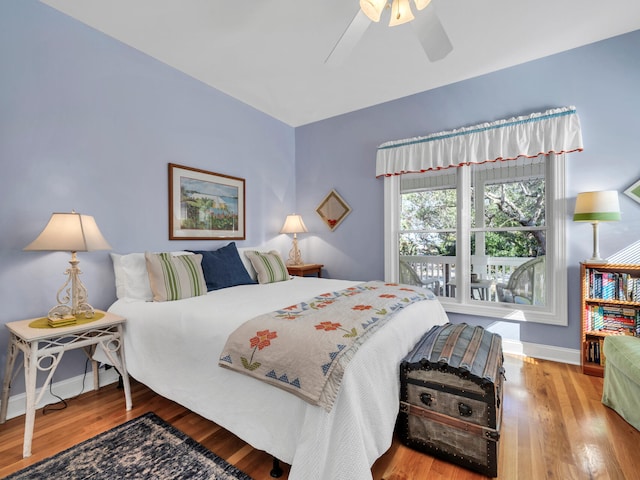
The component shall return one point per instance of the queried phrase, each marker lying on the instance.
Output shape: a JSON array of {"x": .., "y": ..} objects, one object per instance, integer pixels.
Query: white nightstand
[{"x": 38, "y": 342}]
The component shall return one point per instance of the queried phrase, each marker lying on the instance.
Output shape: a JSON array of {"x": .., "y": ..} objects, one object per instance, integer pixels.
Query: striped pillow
[
  {"x": 268, "y": 265},
  {"x": 175, "y": 278}
]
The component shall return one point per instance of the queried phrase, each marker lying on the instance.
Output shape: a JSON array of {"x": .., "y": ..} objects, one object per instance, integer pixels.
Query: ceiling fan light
[
  {"x": 400, "y": 13},
  {"x": 422, "y": 4},
  {"x": 373, "y": 8}
]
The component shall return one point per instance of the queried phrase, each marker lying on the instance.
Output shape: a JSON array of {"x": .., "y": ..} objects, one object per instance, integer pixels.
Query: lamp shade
[
  {"x": 294, "y": 224},
  {"x": 597, "y": 207},
  {"x": 400, "y": 13},
  {"x": 70, "y": 232},
  {"x": 422, "y": 4},
  {"x": 373, "y": 8}
]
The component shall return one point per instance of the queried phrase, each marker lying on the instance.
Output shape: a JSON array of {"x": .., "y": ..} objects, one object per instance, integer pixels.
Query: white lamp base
[
  {"x": 596, "y": 258},
  {"x": 76, "y": 294},
  {"x": 295, "y": 257}
]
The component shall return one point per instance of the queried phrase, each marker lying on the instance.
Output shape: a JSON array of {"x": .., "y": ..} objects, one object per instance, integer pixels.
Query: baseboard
[
  {"x": 544, "y": 352},
  {"x": 66, "y": 389}
]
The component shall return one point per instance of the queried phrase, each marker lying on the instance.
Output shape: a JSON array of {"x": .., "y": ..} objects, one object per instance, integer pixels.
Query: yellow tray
[{"x": 44, "y": 321}]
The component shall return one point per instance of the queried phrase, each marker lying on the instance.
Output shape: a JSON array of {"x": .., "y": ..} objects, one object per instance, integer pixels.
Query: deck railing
[{"x": 443, "y": 268}]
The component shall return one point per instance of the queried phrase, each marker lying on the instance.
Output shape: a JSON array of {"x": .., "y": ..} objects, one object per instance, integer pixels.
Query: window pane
[
  {"x": 428, "y": 260},
  {"x": 509, "y": 232},
  {"x": 429, "y": 210},
  {"x": 428, "y": 238},
  {"x": 509, "y": 270},
  {"x": 514, "y": 204}
]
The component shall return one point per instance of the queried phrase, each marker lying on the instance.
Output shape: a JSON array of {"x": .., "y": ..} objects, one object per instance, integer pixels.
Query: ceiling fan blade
[
  {"x": 349, "y": 39},
  {"x": 431, "y": 33}
]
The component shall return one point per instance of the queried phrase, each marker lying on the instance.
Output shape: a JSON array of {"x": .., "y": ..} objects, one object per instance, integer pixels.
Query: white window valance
[{"x": 553, "y": 131}]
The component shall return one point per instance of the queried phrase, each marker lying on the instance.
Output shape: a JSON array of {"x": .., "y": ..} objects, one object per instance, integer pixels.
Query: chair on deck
[
  {"x": 409, "y": 276},
  {"x": 524, "y": 284}
]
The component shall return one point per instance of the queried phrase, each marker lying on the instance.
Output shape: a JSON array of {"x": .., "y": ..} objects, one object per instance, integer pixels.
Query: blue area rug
[{"x": 143, "y": 448}]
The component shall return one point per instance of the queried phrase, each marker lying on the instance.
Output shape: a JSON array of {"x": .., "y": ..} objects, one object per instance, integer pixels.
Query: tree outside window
[{"x": 506, "y": 227}]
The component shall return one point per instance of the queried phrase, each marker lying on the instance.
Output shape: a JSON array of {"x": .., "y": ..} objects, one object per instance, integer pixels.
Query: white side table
[{"x": 43, "y": 349}]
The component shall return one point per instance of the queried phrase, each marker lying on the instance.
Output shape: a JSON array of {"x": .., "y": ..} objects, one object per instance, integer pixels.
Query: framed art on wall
[
  {"x": 634, "y": 191},
  {"x": 333, "y": 210},
  {"x": 205, "y": 205}
]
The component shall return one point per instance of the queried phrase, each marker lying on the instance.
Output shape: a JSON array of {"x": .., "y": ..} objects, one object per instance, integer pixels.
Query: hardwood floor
[{"x": 554, "y": 427}]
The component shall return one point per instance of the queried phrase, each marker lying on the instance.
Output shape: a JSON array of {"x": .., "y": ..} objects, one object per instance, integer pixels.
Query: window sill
[{"x": 505, "y": 311}]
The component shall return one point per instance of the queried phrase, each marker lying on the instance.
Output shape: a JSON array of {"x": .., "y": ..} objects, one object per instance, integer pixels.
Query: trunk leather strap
[{"x": 488, "y": 433}]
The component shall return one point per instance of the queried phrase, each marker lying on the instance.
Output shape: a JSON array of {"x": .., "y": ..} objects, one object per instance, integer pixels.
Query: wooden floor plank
[{"x": 554, "y": 427}]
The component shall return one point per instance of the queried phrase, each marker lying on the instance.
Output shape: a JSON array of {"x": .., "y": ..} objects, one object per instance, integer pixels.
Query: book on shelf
[
  {"x": 612, "y": 318},
  {"x": 595, "y": 353},
  {"x": 613, "y": 286},
  {"x": 608, "y": 291},
  {"x": 601, "y": 350},
  {"x": 610, "y": 306}
]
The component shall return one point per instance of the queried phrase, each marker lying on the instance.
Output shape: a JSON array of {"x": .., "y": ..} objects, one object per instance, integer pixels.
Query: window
[
  {"x": 487, "y": 238},
  {"x": 508, "y": 181}
]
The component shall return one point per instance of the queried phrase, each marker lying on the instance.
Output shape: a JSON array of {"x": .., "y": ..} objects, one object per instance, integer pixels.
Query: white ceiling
[{"x": 270, "y": 53}]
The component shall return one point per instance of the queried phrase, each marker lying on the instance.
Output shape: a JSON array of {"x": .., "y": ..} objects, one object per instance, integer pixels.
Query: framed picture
[
  {"x": 634, "y": 191},
  {"x": 205, "y": 205},
  {"x": 333, "y": 210}
]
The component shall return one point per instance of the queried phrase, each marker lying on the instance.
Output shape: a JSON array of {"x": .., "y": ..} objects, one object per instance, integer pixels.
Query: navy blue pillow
[{"x": 223, "y": 268}]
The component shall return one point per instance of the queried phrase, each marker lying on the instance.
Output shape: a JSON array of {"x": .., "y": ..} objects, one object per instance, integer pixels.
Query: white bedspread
[{"x": 173, "y": 348}]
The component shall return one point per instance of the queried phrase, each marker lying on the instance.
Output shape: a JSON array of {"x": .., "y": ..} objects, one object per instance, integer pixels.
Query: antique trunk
[{"x": 451, "y": 396}]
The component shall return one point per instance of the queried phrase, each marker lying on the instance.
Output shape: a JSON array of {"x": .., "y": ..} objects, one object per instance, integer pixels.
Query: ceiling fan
[{"x": 426, "y": 25}]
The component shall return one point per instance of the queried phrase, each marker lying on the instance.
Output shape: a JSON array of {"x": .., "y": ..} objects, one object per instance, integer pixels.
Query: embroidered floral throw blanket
[{"x": 304, "y": 348}]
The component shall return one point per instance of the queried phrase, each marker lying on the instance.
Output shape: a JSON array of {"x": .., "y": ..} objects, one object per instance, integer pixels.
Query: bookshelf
[{"x": 610, "y": 305}]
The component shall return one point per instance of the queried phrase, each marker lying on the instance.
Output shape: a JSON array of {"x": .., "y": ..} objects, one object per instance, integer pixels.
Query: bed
[{"x": 173, "y": 347}]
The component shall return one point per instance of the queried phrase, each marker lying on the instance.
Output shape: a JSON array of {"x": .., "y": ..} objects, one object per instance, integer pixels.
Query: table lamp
[
  {"x": 70, "y": 232},
  {"x": 294, "y": 224},
  {"x": 596, "y": 207}
]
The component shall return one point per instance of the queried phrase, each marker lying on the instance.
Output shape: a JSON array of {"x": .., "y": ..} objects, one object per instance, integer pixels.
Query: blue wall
[
  {"x": 87, "y": 123},
  {"x": 601, "y": 80}
]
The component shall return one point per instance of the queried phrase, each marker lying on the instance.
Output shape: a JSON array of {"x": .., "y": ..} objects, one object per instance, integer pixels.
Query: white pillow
[
  {"x": 269, "y": 266},
  {"x": 175, "y": 277},
  {"x": 132, "y": 279}
]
